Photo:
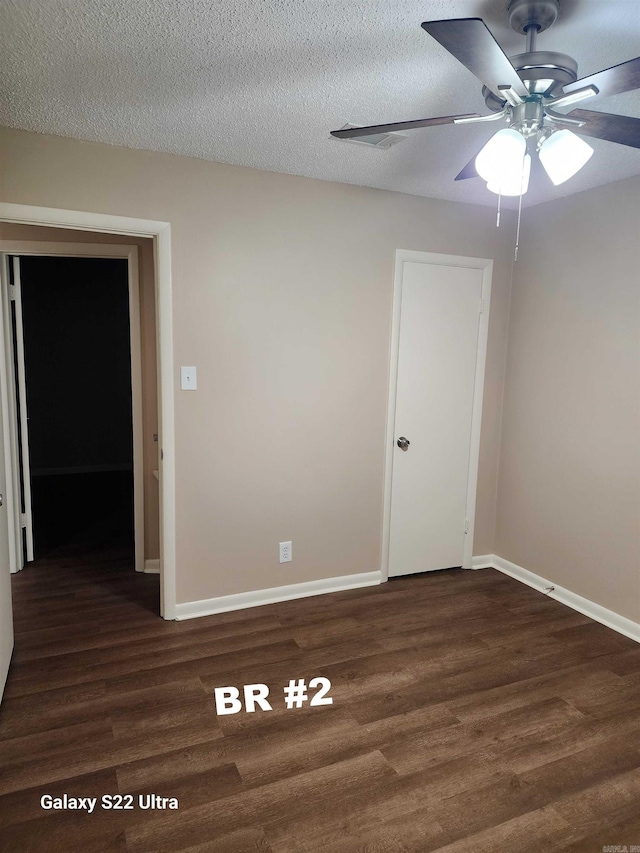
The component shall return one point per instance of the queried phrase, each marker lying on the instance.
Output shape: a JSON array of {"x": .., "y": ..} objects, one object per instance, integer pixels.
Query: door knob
[{"x": 403, "y": 443}]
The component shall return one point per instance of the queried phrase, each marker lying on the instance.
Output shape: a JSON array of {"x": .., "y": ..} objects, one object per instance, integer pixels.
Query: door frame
[
  {"x": 403, "y": 256},
  {"x": 129, "y": 253},
  {"x": 160, "y": 232}
]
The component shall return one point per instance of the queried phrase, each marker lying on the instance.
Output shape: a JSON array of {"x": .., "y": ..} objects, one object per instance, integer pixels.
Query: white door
[{"x": 441, "y": 309}]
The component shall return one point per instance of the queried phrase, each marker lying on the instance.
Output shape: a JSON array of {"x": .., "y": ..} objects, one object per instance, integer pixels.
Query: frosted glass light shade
[
  {"x": 513, "y": 184},
  {"x": 501, "y": 156},
  {"x": 563, "y": 154}
]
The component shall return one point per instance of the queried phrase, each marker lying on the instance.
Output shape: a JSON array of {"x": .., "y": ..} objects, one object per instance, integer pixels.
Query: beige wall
[
  {"x": 282, "y": 299},
  {"x": 12, "y": 231},
  {"x": 569, "y": 492}
]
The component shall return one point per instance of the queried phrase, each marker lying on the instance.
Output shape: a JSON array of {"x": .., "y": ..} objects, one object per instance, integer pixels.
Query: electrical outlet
[{"x": 285, "y": 552}]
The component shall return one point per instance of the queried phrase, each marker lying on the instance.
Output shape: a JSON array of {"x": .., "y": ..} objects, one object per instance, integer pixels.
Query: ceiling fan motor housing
[{"x": 544, "y": 72}]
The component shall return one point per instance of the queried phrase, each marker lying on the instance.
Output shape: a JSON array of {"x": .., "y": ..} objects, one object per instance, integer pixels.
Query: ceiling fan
[{"x": 525, "y": 91}]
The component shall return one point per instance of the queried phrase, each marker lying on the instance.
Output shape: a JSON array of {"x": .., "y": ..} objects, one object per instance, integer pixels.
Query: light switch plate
[{"x": 188, "y": 378}]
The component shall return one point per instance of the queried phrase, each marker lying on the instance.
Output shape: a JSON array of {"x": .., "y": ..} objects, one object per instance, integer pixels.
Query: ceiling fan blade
[
  {"x": 625, "y": 130},
  {"x": 472, "y": 44},
  {"x": 469, "y": 170},
  {"x": 611, "y": 81},
  {"x": 354, "y": 132}
]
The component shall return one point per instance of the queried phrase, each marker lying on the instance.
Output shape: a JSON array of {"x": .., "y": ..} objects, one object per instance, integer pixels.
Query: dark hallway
[{"x": 78, "y": 401}]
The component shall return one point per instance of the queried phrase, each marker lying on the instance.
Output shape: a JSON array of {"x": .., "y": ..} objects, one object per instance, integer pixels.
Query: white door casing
[
  {"x": 10, "y": 417},
  {"x": 439, "y": 337},
  {"x": 6, "y": 611},
  {"x": 23, "y": 416}
]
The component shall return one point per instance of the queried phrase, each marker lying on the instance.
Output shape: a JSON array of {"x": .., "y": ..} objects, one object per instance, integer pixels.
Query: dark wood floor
[{"x": 471, "y": 714}]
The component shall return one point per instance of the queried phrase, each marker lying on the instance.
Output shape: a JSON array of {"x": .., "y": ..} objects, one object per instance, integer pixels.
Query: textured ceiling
[{"x": 261, "y": 84}]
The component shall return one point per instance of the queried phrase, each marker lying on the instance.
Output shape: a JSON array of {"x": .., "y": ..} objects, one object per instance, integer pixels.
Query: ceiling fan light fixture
[
  {"x": 516, "y": 183},
  {"x": 502, "y": 156},
  {"x": 524, "y": 90},
  {"x": 563, "y": 154}
]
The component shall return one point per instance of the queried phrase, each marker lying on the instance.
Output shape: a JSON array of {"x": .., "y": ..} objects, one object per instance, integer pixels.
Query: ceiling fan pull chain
[
  {"x": 515, "y": 253},
  {"x": 522, "y": 182},
  {"x": 498, "y": 216}
]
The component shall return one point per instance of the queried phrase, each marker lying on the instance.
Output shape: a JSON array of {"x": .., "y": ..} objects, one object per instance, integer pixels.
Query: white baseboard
[
  {"x": 151, "y": 567},
  {"x": 240, "y": 601},
  {"x": 589, "y": 608},
  {"x": 486, "y": 562}
]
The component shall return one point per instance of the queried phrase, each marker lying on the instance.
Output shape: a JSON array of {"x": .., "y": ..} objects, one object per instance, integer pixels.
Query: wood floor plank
[
  {"x": 195, "y": 659},
  {"x": 190, "y": 760},
  {"x": 77, "y": 760},
  {"x": 537, "y": 830},
  {"x": 522, "y": 726},
  {"x": 609, "y": 802},
  {"x": 50, "y": 643},
  {"x": 65, "y": 834},
  {"x": 156, "y": 670},
  {"x": 128, "y": 722},
  {"x": 49, "y": 709},
  {"x": 495, "y": 803},
  {"x": 338, "y": 745},
  {"x": 46, "y": 743},
  {"x": 319, "y": 789},
  {"x": 569, "y": 684},
  {"x": 584, "y": 767},
  {"x": 173, "y": 647},
  {"x": 24, "y": 805},
  {"x": 190, "y": 789},
  {"x": 251, "y": 840},
  {"x": 624, "y": 661},
  {"x": 621, "y": 836},
  {"x": 53, "y": 709},
  {"x": 356, "y": 827},
  {"x": 573, "y": 738}
]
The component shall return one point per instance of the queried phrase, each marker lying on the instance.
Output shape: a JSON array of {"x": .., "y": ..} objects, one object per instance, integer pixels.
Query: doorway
[
  {"x": 72, "y": 326},
  {"x": 10, "y": 523},
  {"x": 160, "y": 233},
  {"x": 72, "y": 335},
  {"x": 439, "y": 339}
]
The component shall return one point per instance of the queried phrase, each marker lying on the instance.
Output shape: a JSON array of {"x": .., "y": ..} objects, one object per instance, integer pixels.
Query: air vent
[{"x": 374, "y": 140}]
